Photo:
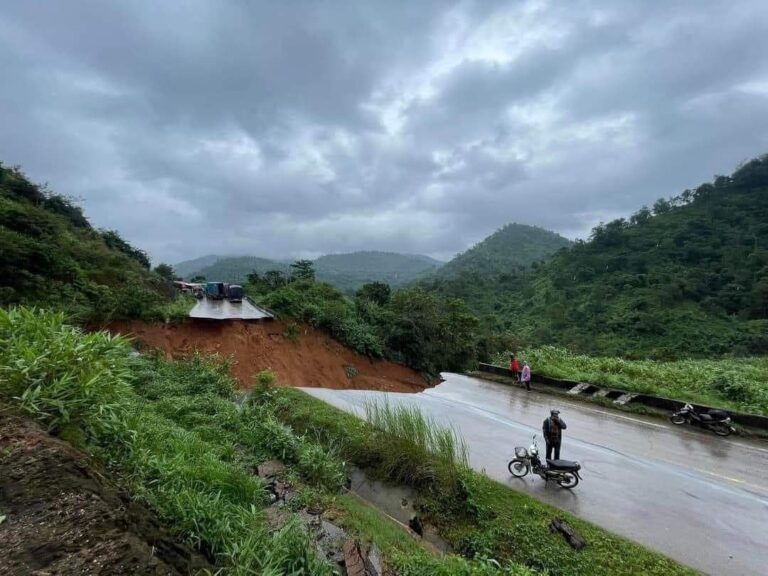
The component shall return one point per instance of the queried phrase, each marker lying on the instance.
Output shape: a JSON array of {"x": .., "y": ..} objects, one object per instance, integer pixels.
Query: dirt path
[
  {"x": 63, "y": 517},
  {"x": 315, "y": 360}
]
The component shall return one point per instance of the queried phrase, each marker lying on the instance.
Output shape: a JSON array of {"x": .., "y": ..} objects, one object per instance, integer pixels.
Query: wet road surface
[
  {"x": 698, "y": 498},
  {"x": 225, "y": 310}
]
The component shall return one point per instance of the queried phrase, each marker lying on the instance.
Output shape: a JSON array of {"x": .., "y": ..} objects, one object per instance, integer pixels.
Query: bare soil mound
[
  {"x": 313, "y": 360},
  {"x": 63, "y": 517}
]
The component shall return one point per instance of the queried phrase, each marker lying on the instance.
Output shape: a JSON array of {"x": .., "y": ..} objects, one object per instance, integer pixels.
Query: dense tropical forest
[
  {"x": 347, "y": 272},
  {"x": 52, "y": 256},
  {"x": 685, "y": 277}
]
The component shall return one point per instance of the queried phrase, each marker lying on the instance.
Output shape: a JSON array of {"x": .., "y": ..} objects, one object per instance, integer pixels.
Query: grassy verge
[
  {"x": 481, "y": 518},
  {"x": 173, "y": 434},
  {"x": 734, "y": 383}
]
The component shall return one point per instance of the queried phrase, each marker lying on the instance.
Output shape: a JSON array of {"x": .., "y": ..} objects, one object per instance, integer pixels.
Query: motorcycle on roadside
[
  {"x": 717, "y": 421},
  {"x": 564, "y": 472}
]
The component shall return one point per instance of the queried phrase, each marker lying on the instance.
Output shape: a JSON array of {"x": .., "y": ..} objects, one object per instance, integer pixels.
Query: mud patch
[
  {"x": 63, "y": 517},
  {"x": 313, "y": 360}
]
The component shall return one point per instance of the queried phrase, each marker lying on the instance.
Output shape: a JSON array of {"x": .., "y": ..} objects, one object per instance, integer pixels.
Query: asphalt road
[
  {"x": 225, "y": 310},
  {"x": 696, "y": 497}
]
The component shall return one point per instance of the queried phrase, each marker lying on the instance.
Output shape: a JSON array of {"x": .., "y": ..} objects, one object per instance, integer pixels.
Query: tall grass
[
  {"x": 69, "y": 380},
  {"x": 737, "y": 383},
  {"x": 413, "y": 448}
]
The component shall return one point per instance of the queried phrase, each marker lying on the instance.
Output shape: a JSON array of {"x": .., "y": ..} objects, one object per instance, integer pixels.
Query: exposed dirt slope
[
  {"x": 63, "y": 517},
  {"x": 315, "y": 360}
]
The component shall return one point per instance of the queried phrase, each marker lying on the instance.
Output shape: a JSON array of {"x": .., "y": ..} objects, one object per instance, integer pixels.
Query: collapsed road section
[{"x": 210, "y": 309}]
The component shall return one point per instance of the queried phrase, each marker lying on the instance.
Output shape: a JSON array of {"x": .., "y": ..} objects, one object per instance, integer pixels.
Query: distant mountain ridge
[{"x": 345, "y": 271}]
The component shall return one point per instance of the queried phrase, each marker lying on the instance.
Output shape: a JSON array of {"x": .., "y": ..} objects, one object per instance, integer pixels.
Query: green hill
[
  {"x": 345, "y": 271},
  {"x": 189, "y": 268},
  {"x": 350, "y": 271},
  {"x": 50, "y": 255},
  {"x": 509, "y": 248},
  {"x": 688, "y": 277},
  {"x": 235, "y": 269}
]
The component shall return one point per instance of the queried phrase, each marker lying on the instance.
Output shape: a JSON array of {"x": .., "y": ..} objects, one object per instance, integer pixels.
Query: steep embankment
[
  {"x": 64, "y": 517},
  {"x": 313, "y": 359}
]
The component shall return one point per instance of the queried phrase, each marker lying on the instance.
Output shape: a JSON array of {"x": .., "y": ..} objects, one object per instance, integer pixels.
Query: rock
[
  {"x": 373, "y": 564},
  {"x": 280, "y": 489},
  {"x": 571, "y": 536},
  {"x": 270, "y": 469},
  {"x": 354, "y": 562},
  {"x": 276, "y": 518},
  {"x": 331, "y": 541},
  {"x": 416, "y": 525}
]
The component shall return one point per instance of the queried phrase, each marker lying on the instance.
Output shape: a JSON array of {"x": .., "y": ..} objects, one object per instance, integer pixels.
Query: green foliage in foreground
[
  {"x": 181, "y": 444},
  {"x": 735, "y": 383},
  {"x": 481, "y": 518},
  {"x": 52, "y": 256}
]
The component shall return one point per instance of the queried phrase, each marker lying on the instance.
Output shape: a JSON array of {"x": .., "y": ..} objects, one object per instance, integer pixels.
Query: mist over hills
[{"x": 345, "y": 271}]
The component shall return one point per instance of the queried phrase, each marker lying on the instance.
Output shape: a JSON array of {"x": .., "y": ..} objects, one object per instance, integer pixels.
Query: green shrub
[{"x": 62, "y": 376}]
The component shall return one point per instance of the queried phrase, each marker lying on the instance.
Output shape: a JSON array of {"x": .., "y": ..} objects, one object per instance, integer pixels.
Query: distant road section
[{"x": 225, "y": 310}]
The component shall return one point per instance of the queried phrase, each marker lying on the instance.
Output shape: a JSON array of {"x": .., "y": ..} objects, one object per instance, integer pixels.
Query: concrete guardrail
[{"x": 587, "y": 389}]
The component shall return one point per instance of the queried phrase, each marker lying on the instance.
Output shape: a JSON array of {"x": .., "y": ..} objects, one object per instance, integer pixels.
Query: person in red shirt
[{"x": 514, "y": 367}]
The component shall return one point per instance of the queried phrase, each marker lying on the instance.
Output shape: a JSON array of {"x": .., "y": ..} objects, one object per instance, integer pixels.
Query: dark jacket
[{"x": 552, "y": 429}]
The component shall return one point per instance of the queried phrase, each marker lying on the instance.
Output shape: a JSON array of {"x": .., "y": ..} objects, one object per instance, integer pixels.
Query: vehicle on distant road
[
  {"x": 564, "y": 472},
  {"x": 716, "y": 420},
  {"x": 234, "y": 293},
  {"x": 215, "y": 290}
]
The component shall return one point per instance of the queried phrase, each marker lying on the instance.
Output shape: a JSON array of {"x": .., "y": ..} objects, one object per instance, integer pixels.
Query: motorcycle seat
[{"x": 563, "y": 464}]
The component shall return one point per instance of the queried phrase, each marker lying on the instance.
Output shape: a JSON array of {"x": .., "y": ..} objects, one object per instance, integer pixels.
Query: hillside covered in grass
[
  {"x": 50, "y": 255},
  {"x": 686, "y": 277}
]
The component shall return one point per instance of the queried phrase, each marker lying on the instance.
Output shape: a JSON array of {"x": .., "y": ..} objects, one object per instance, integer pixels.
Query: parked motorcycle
[
  {"x": 716, "y": 420},
  {"x": 564, "y": 472}
]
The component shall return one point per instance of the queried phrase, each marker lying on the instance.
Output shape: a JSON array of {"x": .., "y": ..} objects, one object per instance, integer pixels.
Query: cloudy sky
[{"x": 292, "y": 128}]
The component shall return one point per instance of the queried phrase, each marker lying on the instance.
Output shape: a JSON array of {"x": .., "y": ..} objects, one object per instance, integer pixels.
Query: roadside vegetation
[
  {"x": 735, "y": 383},
  {"x": 51, "y": 256},
  {"x": 173, "y": 432},
  {"x": 410, "y": 325}
]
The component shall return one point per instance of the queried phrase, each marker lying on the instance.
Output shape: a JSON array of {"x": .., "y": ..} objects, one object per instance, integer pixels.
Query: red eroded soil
[{"x": 314, "y": 360}]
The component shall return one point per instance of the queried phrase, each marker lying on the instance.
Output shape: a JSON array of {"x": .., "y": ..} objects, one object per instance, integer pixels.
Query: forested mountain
[
  {"x": 509, "y": 248},
  {"x": 688, "y": 276},
  {"x": 188, "y": 268},
  {"x": 345, "y": 271},
  {"x": 350, "y": 271},
  {"x": 235, "y": 269},
  {"x": 50, "y": 255}
]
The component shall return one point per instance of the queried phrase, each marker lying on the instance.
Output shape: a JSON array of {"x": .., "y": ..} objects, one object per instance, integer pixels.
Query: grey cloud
[{"x": 284, "y": 129}]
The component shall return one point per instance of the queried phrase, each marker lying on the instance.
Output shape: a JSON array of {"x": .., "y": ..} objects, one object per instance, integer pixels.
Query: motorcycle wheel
[
  {"x": 518, "y": 468},
  {"x": 677, "y": 419},
  {"x": 721, "y": 429},
  {"x": 568, "y": 480}
]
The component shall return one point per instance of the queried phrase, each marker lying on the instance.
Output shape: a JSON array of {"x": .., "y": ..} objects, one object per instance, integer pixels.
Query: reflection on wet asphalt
[
  {"x": 225, "y": 310},
  {"x": 696, "y": 497}
]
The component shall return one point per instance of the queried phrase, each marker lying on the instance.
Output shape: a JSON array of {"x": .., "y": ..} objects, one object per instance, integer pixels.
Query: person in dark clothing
[{"x": 553, "y": 433}]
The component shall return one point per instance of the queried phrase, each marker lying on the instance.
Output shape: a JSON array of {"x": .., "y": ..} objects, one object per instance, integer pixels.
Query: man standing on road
[{"x": 553, "y": 435}]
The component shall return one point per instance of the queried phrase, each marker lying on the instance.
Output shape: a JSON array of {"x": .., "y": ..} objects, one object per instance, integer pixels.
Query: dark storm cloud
[{"x": 298, "y": 128}]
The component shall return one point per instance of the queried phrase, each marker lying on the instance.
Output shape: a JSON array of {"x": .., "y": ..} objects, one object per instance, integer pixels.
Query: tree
[
  {"x": 199, "y": 279},
  {"x": 253, "y": 278},
  {"x": 378, "y": 292},
  {"x": 303, "y": 270},
  {"x": 274, "y": 279},
  {"x": 165, "y": 271}
]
